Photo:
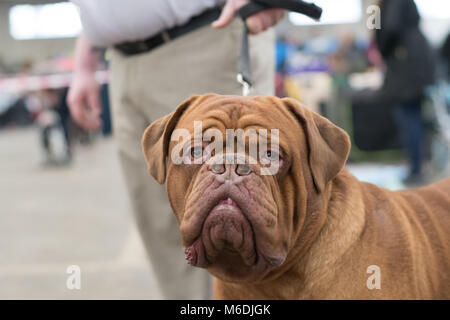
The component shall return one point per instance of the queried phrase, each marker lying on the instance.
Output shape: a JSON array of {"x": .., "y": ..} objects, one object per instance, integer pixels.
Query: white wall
[
  {"x": 436, "y": 30},
  {"x": 16, "y": 51}
]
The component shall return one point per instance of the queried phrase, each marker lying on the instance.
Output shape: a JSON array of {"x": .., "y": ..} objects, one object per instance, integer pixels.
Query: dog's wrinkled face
[{"x": 241, "y": 203}]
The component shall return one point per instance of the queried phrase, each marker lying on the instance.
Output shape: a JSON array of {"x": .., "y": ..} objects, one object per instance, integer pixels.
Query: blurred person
[
  {"x": 64, "y": 115},
  {"x": 350, "y": 57},
  {"x": 409, "y": 70},
  {"x": 148, "y": 81},
  {"x": 52, "y": 119},
  {"x": 15, "y": 111},
  {"x": 445, "y": 55}
]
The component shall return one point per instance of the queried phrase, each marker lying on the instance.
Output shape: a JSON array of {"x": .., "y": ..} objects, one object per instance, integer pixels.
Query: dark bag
[{"x": 374, "y": 128}]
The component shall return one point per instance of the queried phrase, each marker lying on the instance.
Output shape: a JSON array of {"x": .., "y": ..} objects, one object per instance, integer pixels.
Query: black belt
[
  {"x": 253, "y": 7},
  {"x": 142, "y": 46}
]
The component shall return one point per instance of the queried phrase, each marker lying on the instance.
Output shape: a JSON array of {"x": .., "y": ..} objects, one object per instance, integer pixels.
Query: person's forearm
[{"x": 86, "y": 57}]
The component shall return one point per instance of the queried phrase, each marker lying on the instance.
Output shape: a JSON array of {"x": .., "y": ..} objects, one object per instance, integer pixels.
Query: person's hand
[
  {"x": 84, "y": 93},
  {"x": 84, "y": 100},
  {"x": 256, "y": 23}
]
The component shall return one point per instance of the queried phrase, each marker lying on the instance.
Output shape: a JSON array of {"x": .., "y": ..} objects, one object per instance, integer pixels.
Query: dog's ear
[
  {"x": 328, "y": 145},
  {"x": 156, "y": 139}
]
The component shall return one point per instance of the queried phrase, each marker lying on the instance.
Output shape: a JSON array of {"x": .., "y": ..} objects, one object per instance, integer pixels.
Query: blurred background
[{"x": 62, "y": 198}]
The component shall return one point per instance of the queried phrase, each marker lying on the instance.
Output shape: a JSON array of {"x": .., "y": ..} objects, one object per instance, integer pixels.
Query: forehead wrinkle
[
  {"x": 207, "y": 120},
  {"x": 236, "y": 112},
  {"x": 233, "y": 111},
  {"x": 220, "y": 116},
  {"x": 213, "y": 124},
  {"x": 252, "y": 120}
]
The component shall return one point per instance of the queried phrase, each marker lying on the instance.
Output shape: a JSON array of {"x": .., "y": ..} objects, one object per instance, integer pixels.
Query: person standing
[
  {"x": 445, "y": 57},
  {"x": 153, "y": 68},
  {"x": 409, "y": 70}
]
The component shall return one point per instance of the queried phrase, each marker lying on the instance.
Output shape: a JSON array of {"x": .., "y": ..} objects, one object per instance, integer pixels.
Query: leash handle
[
  {"x": 299, "y": 6},
  {"x": 244, "y": 76}
]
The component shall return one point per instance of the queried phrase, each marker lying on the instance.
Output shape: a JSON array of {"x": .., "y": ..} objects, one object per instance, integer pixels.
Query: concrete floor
[{"x": 53, "y": 218}]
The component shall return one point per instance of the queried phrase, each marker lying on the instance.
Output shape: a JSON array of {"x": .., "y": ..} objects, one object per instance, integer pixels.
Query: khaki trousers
[{"x": 148, "y": 86}]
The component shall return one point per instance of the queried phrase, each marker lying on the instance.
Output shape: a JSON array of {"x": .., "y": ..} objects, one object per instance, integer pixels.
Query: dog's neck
[
  {"x": 340, "y": 229},
  {"x": 345, "y": 222}
]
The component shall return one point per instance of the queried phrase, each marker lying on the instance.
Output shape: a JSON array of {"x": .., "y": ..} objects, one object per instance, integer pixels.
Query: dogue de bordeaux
[{"x": 310, "y": 230}]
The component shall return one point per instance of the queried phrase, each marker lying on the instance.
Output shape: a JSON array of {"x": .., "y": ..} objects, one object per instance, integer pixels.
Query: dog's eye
[
  {"x": 272, "y": 158},
  {"x": 197, "y": 152},
  {"x": 272, "y": 155}
]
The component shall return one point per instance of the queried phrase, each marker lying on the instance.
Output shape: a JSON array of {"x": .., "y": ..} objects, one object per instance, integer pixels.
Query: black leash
[{"x": 244, "y": 76}]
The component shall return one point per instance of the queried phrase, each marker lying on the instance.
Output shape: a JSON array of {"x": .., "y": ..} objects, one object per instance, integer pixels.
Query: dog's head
[{"x": 244, "y": 176}]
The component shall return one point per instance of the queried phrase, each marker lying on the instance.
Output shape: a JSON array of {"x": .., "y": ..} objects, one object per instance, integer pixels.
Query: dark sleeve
[
  {"x": 393, "y": 24},
  {"x": 445, "y": 51}
]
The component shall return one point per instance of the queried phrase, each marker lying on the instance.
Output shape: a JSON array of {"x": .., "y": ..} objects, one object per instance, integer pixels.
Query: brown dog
[{"x": 308, "y": 231}]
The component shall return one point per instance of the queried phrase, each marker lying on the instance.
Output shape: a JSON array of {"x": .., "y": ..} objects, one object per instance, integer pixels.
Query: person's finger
[
  {"x": 254, "y": 24},
  {"x": 276, "y": 14},
  {"x": 81, "y": 110},
  {"x": 280, "y": 14},
  {"x": 78, "y": 113},
  {"x": 226, "y": 16},
  {"x": 74, "y": 102},
  {"x": 95, "y": 105},
  {"x": 268, "y": 20},
  {"x": 264, "y": 20},
  {"x": 95, "y": 109}
]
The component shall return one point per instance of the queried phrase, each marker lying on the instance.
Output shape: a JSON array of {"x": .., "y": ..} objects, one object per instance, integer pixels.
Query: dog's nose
[
  {"x": 218, "y": 168},
  {"x": 230, "y": 165},
  {"x": 243, "y": 169}
]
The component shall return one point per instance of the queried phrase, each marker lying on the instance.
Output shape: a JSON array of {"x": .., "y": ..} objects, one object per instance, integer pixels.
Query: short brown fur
[{"x": 338, "y": 226}]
